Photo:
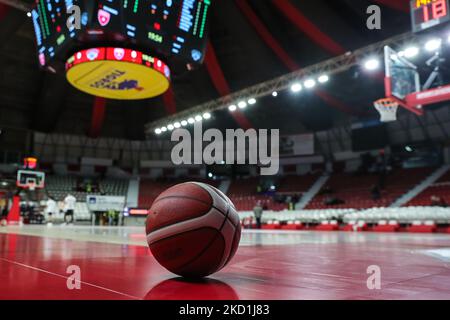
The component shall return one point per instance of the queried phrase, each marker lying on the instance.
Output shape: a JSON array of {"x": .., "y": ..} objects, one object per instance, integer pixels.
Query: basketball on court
[{"x": 193, "y": 230}]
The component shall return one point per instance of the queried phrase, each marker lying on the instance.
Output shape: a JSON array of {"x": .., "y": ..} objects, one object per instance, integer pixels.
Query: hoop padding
[{"x": 387, "y": 108}]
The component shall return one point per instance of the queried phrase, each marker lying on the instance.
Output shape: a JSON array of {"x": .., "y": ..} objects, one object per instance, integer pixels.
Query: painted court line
[{"x": 64, "y": 277}]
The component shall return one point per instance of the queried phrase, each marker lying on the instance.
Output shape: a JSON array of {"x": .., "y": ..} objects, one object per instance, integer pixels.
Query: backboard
[
  {"x": 28, "y": 179},
  {"x": 403, "y": 83},
  {"x": 402, "y": 77}
]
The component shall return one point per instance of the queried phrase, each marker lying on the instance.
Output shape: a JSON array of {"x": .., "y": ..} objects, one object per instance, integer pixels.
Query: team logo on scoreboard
[
  {"x": 119, "y": 53},
  {"x": 103, "y": 17},
  {"x": 92, "y": 54},
  {"x": 111, "y": 81},
  {"x": 42, "y": 59}
]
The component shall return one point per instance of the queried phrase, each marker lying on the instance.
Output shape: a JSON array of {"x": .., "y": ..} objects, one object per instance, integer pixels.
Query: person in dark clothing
[
  {"x": 375, "y": 192},
  {"x": 258, "y": 212},
  {"x": 333, "y": 201},
  {"x": 438, "y": 202}
]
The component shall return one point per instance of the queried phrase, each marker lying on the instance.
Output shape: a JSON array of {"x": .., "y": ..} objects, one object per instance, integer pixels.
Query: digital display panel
[
  {"x": 426, "y": 14},
  {"x": 50, "y": 26},
  {"x": 168, "y": 28}
]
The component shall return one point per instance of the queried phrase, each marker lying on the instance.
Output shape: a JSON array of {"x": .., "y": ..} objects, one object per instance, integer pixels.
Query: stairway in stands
[
  {"x": 438, "y": 184},
  {"x": 312, "y": 192}
]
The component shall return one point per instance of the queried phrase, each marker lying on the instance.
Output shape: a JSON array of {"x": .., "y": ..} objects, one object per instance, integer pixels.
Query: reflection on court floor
[{"x": 116, "y": 264}]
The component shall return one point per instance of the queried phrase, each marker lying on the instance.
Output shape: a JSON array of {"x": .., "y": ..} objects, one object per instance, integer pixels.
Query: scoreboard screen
[
  {"x": 168, "y": 28},
  {"x": 175, "y": 27},
  {"x": 426, "y": 14}
]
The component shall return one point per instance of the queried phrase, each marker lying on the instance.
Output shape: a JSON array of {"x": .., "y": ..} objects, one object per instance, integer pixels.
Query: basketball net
[
  {"x": 387, "y": 108},
  {"x": 32, "y": 186}
]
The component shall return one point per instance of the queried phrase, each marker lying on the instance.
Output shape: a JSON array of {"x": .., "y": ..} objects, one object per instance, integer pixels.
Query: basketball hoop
[{"x": 387, "y": 108}]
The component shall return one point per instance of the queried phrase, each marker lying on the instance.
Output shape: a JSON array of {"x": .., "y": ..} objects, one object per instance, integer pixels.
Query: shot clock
[{"x": 427, "y": 14}]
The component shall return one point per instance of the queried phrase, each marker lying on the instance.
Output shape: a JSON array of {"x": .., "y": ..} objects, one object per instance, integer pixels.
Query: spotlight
[
  {"x": 184, "y": 123},
  {"x": 198, "y": 118},
  {"x": 372, "y": 64},
  {"x": 433, "y": 45},
  {"x": 242, "y": 105},
  {"x": 251, "y": 101},
  {"x": 29, "y": 14},
  {"x": 177, "y": 125},
  {"x": 210, "y": 175},
  {"x": 324, "y": 78},
  {"x": 158, "y": 131},
  {"x": 170, "y": 127},
  {"x": 411, "y": 52},
  {"x": 163, "y": 129},
  {"x": 296, "y": 87},
  {"x": 207, "y": 116},
  {"x": 275, "y": 94},
  {"x": 191, "y": 120},
  {"x": 232, "y": 108},
  {"x": 310, "y": 83}
]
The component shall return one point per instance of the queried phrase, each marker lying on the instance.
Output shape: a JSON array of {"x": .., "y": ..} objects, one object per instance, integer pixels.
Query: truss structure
[{"x": 329, "y": 67}]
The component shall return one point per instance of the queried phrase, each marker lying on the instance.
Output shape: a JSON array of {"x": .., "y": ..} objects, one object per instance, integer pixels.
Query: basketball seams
[
  {"x": 219, "y": 233},
  {"x": 211, "y": 189},
  {"x": 193, "y": 199},
  {"x": 181, "y": 233},
  {"x": 232, "y": 246},
  {"x": 211, "y": 219},
  {"x": 184, "y": 184}
]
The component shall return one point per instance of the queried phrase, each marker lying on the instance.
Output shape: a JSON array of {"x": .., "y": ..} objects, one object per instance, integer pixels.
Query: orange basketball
[{"x": 193, "y": 229}]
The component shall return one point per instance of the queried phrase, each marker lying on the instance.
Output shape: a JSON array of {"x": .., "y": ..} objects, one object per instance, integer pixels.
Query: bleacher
[
  {"x": 295, "y": 184},
  {"x": 59, "y": 186},
  {"x": 440, "y": 189},
  {"x": 355, "y": 190}
]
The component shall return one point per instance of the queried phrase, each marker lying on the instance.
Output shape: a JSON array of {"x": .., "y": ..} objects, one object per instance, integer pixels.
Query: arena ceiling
[{"x": 250, "y": 41}]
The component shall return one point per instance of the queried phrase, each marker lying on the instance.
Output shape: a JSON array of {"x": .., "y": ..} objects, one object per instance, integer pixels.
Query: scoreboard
[
  {"x": 426, "y": 14},
  {"x": 171, "y": 29}
]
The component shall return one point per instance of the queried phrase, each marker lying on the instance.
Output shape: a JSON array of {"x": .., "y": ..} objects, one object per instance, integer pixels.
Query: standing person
[
  {"x": 4, "y": 215},
  {"x": 69, "y": 208},
  {"x": 51, "y": 209},
  {"x": 258, "y": 212}
]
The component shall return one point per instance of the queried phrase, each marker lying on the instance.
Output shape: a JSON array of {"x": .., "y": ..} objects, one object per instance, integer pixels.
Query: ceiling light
[
  {"x": 411, "y": 52},
  {"x": 372, "y": 64},
  {"x": 242, "y": 105},
  {"x": 207, "y": 116},
  {"x": 310, "y": 83},
  {"x": 158, "y": 131},
  {"x": 275, "y": 94},
  {"x": 232, "y": 108},
  {"x": 433, "y": 45},
  {"x": 198, "y": 118},
  {"x": 184, "y": 123},
  {"x": 296, "y": 87},
  {"x": 251, "y": 101},
  {"x": 324, "y": 78},
  {"x": 29, "y": 14},
  {"x": 191, "y": 120},
  {"x": 170, "y": 127},
  {"x": 163, "y": 129},
  {"x": 177, "y": 125}
]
